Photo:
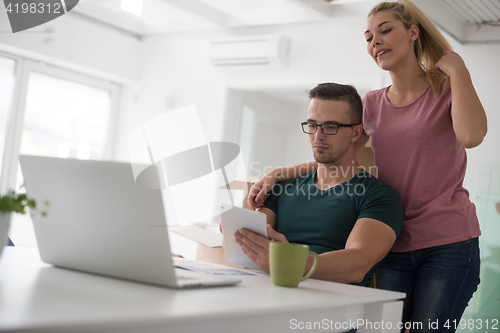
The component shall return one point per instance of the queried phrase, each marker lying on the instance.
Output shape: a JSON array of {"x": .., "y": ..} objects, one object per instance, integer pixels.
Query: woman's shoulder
[{"x": 376, "y": 94}]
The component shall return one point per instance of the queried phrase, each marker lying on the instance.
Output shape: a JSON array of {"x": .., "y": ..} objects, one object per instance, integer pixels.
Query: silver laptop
[{"x": 99, "y": 221}]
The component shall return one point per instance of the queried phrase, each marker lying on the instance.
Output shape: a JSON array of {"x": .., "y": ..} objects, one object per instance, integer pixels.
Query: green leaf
[{"x": 12, "y": 202}]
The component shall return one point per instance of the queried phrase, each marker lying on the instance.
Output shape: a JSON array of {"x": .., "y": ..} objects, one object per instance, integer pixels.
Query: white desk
[{"x": 36, "y": 297}]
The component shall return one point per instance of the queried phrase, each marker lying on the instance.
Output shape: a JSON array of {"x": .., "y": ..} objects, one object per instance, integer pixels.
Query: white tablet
[{"x": 233, "y": 219}]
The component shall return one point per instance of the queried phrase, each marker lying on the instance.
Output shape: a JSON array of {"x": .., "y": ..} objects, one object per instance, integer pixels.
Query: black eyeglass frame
[{"x": 322, "y": 130}]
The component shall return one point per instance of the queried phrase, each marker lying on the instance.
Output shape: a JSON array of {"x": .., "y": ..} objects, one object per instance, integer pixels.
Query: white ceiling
[
  {"x": 475, "y": 12},
  {"x": 465, "y": 20},
  {"x": 468, "y": 21}
]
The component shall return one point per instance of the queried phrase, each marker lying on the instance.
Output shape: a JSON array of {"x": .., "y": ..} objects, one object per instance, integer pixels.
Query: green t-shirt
[{"x": 324, "y": 219}]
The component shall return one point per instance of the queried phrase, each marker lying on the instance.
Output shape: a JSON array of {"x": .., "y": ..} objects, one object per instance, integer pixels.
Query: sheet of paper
[
  {"x": 214, "y": 269},
  {"x": 201, "y": 235}
]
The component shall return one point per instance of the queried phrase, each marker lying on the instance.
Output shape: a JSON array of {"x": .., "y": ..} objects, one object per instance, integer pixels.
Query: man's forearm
[{"x": 344, "y": 266}]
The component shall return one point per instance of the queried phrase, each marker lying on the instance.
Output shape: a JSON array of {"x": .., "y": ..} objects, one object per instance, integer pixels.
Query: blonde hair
[{"x": 430, "y": 43}]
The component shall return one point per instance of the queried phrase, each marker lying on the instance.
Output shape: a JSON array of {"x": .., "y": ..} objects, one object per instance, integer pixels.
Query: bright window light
[
  {"x": 132, "y": 6},
  {"x": 7, "y": 72}
]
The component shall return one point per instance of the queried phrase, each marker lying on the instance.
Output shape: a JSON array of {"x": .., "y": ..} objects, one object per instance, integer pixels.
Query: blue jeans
[{"x": 438, "y": 281}]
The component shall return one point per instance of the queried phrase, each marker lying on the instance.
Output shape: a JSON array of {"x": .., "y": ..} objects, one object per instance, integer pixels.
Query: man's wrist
[{"x": 309, "y": 263}]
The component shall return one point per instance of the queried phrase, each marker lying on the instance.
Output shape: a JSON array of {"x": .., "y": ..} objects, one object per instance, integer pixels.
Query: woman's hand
[
  {"x": 258, "y": 192},
  {"x": 451, "y": 64}
]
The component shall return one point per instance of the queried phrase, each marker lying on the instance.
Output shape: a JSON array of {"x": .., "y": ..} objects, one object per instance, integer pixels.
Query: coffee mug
[{"x": 287, "y": 263}]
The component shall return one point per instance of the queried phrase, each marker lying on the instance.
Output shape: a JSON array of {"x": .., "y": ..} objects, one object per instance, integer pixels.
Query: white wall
[
  {"x": 299, "y": 149},
  {"x": 277, "y": 131},
  {"x": 72, "y": 42},
  {"x": 483, "y": 64},
  {"x": 280, "y": 141},
  {"x": 174, "y": 73}
]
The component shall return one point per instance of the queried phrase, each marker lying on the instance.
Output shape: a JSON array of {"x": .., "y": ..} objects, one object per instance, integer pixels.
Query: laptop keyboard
[{"x": 183, "y": 277}]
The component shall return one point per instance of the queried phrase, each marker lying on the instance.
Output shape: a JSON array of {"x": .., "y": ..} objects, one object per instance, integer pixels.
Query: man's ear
[{"x": 356, "y": 133}]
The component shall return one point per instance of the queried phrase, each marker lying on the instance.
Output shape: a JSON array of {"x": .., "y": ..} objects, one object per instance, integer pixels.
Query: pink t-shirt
[{"x": 417, "y": 153}]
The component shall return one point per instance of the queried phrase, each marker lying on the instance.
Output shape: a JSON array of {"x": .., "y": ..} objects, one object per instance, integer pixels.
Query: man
[{"x": 342, "y": 212}]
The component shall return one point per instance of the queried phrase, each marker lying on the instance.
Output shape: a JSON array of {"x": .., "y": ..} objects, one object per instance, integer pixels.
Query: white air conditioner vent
[{"x": 260, "y": 51}]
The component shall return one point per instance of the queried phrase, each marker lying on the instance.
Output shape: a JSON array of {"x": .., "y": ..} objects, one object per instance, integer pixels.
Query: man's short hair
[{"x": 340, "y": 92}]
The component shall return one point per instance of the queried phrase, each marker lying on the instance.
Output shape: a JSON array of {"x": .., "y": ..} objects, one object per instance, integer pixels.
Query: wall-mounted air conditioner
[{"x": 259, "y": 51}]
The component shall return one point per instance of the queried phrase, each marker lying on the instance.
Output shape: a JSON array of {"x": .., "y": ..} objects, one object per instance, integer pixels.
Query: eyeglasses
[{"x": 327, "y": 129}]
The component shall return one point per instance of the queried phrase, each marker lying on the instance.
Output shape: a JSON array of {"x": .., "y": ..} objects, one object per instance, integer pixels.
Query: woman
[{"x": 419, "y": 128}]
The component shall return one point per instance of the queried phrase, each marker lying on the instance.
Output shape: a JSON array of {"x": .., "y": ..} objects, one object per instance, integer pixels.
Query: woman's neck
[
  {"x": 408, "y": 84},
  {"x": 408, "y": 79}
]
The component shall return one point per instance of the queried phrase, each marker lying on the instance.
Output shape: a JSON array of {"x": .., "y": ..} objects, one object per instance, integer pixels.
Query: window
[
  {"x": 55, "y": 113},
  {"x": 7, "y": 68},
  {"x": 64, "y": 118}
]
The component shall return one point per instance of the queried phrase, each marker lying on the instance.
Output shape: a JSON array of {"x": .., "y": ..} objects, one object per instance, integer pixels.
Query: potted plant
[{"x": 12, "y": 202}]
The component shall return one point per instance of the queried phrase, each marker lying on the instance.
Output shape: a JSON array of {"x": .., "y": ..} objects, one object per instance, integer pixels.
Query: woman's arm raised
[
  {"x": 257, "y": 194},
  {"x": 467, "y": 113}
]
